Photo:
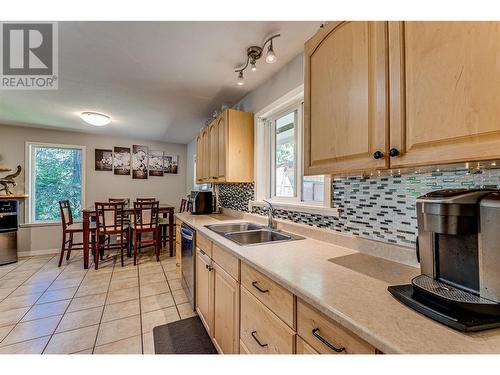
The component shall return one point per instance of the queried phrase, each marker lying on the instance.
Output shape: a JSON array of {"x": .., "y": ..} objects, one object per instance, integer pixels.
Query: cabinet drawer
[
  {"x": 304, "y": 348},
  {"x": 203, "y": 243},
  {"x": 228, "y": 262},
  {"x": 314, "y": 327},
  {"x": 275, "y": 297},
  {"x": 262, "y": 332}
]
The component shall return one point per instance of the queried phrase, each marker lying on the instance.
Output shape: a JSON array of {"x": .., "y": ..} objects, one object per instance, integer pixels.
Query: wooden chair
[
  {"x": 110, "y": 222},
  {"x": 69, "y": 229},
  {"x": 162, "y": 222},
  {"x": 185, "y": 205},
  {"x": 146, "y": 221}
]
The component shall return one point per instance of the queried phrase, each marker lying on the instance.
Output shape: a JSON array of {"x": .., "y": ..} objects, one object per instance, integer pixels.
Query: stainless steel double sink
[{"x": 247, "y": 234}]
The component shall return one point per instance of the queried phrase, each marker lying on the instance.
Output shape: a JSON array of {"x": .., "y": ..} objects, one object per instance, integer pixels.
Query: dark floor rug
[{"x": 187, "y": 336}]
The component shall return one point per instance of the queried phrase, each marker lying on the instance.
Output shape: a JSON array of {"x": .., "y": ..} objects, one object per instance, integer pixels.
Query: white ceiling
[{"x": 157, "y": 80}]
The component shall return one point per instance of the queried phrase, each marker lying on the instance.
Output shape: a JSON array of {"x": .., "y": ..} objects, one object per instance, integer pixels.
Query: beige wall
[{"x": 99, "y": 185}]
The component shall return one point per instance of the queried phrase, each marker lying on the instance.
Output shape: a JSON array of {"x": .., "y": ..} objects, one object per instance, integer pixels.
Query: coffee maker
[{"x": 458, "y": 247}]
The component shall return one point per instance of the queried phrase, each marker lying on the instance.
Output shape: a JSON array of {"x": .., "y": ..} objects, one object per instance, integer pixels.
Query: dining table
[{"x": 89, "y": 212}]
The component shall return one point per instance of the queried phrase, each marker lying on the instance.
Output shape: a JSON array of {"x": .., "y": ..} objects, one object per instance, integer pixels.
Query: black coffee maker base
[{"x": 445, "y": 314}]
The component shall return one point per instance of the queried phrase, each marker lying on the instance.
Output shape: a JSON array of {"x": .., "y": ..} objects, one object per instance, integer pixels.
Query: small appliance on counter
[
  {"x": 458, "y": 247},
  {"x": 203, "y": 202},
  {"x": 9, "y": 220}
]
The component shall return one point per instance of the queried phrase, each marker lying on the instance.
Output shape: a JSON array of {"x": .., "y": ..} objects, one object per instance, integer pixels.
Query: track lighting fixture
[
  {"x": 254, "y": 53},
  {"x": 240, "y": 81}
]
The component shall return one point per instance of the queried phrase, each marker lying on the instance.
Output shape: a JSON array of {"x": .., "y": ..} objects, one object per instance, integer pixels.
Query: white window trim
[
  {"x": 262, "y": 157},
  {"x": 29, "y": 162}
]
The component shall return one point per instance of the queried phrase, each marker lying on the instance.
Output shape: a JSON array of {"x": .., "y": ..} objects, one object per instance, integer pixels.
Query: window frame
[
  {"x": 30, "y": 178},
  {"x": 271, "y": 124},
  {"x": 263, "y": 158}
]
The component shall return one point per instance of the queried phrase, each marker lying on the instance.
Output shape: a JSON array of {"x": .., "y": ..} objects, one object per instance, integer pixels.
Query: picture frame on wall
[
  {"x": 103, "y": 160},
  {"x": 140, "y": 162},
  {"x": 121, "y": 161},
  {"x": 156, "y": 163},
  {"x": 170, "y": 164}
]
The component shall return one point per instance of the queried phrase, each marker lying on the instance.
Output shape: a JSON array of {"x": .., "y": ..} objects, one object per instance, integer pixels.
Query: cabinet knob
[
  {"x": 393, "y": 152},
  {"x": 378, "y": 155}
]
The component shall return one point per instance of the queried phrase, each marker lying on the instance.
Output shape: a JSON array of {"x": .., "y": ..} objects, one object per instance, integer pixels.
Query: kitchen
[{"x": 313, "y": 187}]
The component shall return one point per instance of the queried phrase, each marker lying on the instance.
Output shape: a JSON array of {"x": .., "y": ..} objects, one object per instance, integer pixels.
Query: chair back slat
[
  {"x": 66, "y": 214},
  {"x": 124, "y": 200},
  {"x": 145, "y": 200},
  {"x": 146, "y": 215},
  {"x": 109, "y": 217}
]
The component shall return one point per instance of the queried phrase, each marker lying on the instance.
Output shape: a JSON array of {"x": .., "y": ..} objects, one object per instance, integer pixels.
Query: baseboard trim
[{"x": 32, "y": 253}]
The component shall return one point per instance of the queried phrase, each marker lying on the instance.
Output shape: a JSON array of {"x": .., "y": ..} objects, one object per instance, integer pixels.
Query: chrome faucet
[{"x": 270, "y": 212}]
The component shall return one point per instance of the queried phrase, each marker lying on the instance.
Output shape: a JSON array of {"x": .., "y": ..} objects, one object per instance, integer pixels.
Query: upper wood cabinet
[
  {"x": 229, "y": 152},
  {"x": 202, "y": 148},
  {"x": 345, "y": 98},
  {"x": 213, "y": 161},
  {"x": 445, "y": 79},
  {"x": 420, "y": 93}
]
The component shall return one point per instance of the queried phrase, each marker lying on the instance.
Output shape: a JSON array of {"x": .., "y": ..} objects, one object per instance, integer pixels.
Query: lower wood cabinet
[
  {"x": 258, "y": 316},
  {"x": 262, "y": 332},
  {"x": 327, "y": 336},
  {"x": 178, "y": 241},
  {"x": 204, "y": 290},
  {"x": 218, "y": 299},
  {"x": 303, "y": 347},
  {"x": 226, "y": 323}
]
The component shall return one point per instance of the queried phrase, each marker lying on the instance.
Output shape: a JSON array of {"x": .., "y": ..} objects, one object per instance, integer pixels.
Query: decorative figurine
[{"x": 9, "y": 180}]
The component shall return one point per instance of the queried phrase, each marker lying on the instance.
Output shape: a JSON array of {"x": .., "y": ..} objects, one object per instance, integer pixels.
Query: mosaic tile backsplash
[{"x": 377, "y": 207}]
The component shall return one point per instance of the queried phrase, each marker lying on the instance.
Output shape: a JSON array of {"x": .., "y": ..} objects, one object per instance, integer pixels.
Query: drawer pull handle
[
  {"x": 324, "y": 341},
  {"x": 254, "y": 284},
  {"x": 256, "y": 339}
]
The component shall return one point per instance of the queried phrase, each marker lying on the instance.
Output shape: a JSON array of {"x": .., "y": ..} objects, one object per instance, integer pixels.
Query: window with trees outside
[
  {"x": 56, "y": 173},
  {"x": 286, "y": 182}
]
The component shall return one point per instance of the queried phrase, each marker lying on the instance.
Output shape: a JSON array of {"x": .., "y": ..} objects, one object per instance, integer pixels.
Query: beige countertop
[{"x": 351, "y": 288}]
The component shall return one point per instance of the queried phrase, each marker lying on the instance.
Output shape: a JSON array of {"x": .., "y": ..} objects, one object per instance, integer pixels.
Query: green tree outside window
[{"x": 58, "y": 176}]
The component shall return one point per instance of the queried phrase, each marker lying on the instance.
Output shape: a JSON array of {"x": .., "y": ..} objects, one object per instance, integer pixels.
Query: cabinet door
[
  {"x": 204, "y": 290},
  {"x": 444, "y": 91},
  {"x": 205, "y": 171},
  {"x": 199, "y": 161},
  {"x": 345, "y": 98},
  {"x": 221, "y": 130},
  {"x": 214, "y": 151},
  {"x": 226, "y": 328}
]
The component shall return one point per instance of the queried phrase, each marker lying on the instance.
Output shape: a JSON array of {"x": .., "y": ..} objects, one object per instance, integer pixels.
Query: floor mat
[{"x": 187, "y": 336}]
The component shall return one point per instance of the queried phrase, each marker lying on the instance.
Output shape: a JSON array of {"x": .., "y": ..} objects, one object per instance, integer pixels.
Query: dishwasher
[
  {"x": 188, "y": 261},
  {"x": 9, "y": 214}
]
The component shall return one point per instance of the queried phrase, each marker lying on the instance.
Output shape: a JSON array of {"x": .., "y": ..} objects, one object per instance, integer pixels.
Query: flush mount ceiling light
[
  {"x": 254, "y": 53},
  {"x": 95, "y": 119}
]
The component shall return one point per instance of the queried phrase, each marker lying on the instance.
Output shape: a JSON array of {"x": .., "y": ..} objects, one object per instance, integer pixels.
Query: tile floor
[{"x": 51, "y": 310}]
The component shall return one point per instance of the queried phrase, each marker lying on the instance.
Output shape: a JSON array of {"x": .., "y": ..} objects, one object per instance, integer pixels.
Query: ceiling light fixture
[
  {"x": 240, "y": 81},
  {"x": 253, "y": 54},
  {"x": 270, "y": 55},
  {"x": 95, "y": 119},
  {"x": 253, "y": 68}
]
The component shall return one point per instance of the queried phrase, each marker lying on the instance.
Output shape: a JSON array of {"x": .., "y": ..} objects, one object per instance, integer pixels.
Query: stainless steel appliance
[
  {"x": 458, "y": 247},
  {"x": 9, "y": 220},
  {"x": 188, "y": 251},
  {"x": 203, "y": 202}
]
